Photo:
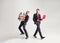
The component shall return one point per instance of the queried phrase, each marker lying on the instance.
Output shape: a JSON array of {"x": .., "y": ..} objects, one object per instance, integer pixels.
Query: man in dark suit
[
  {"x": 37, "y": 20},
  {"x": 23, "y": 23}
]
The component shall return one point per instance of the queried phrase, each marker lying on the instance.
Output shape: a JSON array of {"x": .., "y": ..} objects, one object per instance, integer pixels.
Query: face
[
  {"x": 37, "y": 11},
  {"x": 27, "y": 12}
]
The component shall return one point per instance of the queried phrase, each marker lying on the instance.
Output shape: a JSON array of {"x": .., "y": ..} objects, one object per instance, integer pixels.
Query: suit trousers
[
  {"x": 38, "y": 29},
  {"x": 24, "y": 25}
]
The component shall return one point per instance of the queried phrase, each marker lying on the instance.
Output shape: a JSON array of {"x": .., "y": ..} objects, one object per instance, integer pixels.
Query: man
[
  {"x": 23, "y": 23},
  {"x": 37, "y": 20}
]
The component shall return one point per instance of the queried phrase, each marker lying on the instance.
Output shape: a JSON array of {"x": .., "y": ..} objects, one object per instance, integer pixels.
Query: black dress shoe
[
  {"x": 35, "y": 36},
  {"x": 42, "y": 37},
  {"x": 26, "y": 38}
]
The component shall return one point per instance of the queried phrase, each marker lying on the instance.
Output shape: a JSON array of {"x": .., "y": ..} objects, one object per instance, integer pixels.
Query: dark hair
[
  {"x": 27, "y": 11},
  {"x": 37, "y": 9}
]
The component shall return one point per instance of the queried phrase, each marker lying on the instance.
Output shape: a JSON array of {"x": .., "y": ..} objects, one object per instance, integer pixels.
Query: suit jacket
[{"x": 35, "y": 18}]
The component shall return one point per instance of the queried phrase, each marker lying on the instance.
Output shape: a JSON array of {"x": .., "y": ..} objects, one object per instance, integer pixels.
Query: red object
[
  {"x": 22, "y": 16},
  {"x": 44, "y": 16},
  {"x": 38, "y": 18}
]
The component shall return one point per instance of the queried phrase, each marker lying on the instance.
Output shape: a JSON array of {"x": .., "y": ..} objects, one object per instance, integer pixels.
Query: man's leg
[
  {"x": 36, "y": 31},
  {"x": 40, "y": 31},
  {"x": 25, "y": 30},
  {"x": 20, "y": 28}
]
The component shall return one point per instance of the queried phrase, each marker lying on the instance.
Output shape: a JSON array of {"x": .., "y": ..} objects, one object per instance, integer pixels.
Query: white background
[{"x": 50, "y": 27}]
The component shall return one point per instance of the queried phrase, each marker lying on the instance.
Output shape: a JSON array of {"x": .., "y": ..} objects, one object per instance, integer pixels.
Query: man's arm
[
  {"x": 34, "y": 17},
  {"x": 40, "y": 17},
  {"x": 26, "y": 18}
]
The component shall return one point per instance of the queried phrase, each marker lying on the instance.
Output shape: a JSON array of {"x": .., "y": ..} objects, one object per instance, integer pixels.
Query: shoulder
[
  {"x": 34, "y": 13},
  {"x": 27, "y": 16}
]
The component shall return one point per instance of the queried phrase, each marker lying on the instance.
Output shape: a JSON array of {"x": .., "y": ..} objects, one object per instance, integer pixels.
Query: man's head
[
  {"x": 27, "y": 12},
  {"x": 37, "y": 11}
]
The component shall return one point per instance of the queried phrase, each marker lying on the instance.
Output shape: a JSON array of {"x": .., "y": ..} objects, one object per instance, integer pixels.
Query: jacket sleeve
[
  {"x": 34, "y": 17},
  {"x": 26, "y": 19},
  {"x": 40, "y": 17}
]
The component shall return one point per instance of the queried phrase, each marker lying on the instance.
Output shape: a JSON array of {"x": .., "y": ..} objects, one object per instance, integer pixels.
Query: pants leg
[
  {"x": 20, "y": 28},
  {"x": 35, "y": 32},
  {"x": 38, "y": 25},
  {"x": 36, "y": 29},
  {"x": 25, "y": 30}
]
